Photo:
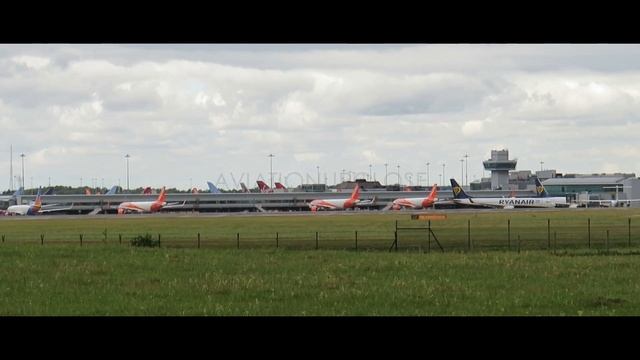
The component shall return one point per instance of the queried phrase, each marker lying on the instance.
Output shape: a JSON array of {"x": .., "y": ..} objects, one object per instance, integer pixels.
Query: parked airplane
[
  {"x": 339, "y": 204},
  {"x": 148, "y": 206},
  {"x": 35, "y": 208},
  {"x": 281, "y": 187},
  {"x": 417, "y": 203},
  {"x": 542, "y": 201},
  {"x": 212, "y": 188}
]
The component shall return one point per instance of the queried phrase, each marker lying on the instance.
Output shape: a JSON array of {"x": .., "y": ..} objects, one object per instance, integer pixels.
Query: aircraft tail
[
  {"x": 163, "y": 196},
  {"x": 18, "y": 192},
  {"x": 458, "y": 193},
  {"x": 112, "y": 191},
  {"x": 244, "y": 188},
  {"x": 433, "y": 193},
  {"x": 212, "y": 188},
  {"x": 38, "y": 203},
  {"x": 355, "y": 195},
  {"x": 540, "y": 189},
  {"x": 262, "y": 186},
  {"x": 147, "y": 191},
  {"x": 280, "y": 186}
]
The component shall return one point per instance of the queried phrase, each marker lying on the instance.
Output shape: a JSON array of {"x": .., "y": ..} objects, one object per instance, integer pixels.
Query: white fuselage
[
  {"x": 18, "y": 209},
  {"x": 141, "y": 206},
  {"x": 332, "y": 204},
  {"x": 537, "y": 202},
  {"x": 413, "y": 203}
]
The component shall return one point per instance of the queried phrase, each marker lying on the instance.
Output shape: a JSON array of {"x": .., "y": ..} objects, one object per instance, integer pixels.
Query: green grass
[
  {"x": 105, "y": 278},
  {"x": 113, "y": 280}
]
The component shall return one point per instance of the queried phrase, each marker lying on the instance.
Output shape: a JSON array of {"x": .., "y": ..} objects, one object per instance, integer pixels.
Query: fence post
[
  {"x": 509, "y": 234},
  {"x": 105, "y": 235},
  {"x": 3, "y": 238},
  {"x": 589, "y": 232},
  {"x": 277, "y": 239},
  {"x": 198, "y": 240},
  {"x": 518, "y": 243},
  {"x": 159, "y": 240},
  {"x": 80, "y": 239},
  {"x": 607, "y": 243},
  {"x": 120, "y": 238},
  {"x": 237, "y": 240},
  {"x": 316, "y": 240},
  {"x": 396, "y": 237},
  {"x": 41, "y": 239},
  {"x": 555, "y": 241},
  {"x": 548, "y": 233},
  {"x": 356, "y": 240}
]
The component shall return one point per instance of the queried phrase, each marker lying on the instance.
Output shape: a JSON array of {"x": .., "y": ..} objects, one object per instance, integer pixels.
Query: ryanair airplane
[{"x": 543, "y": 200}]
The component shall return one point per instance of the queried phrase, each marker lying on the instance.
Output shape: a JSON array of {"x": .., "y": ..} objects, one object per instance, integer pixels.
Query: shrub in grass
[{"x": 145, "y": 240}]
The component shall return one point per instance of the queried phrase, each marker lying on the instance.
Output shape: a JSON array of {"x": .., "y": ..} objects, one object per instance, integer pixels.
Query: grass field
[
  {"x": 106, "y": 278},
  {"x": 113, "y": 280}
]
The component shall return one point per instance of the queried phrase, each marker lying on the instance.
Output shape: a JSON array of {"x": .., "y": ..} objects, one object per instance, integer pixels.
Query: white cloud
[
  {"x": 333, "y": 106},
  {"x": 32, "y": 62}
]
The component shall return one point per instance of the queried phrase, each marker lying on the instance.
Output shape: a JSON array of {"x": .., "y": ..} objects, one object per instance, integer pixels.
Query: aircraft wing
[
  {"x": 367, "y": 202},
  {"x": 42, "y": 210},
  {"x": 174, "y": 205}
]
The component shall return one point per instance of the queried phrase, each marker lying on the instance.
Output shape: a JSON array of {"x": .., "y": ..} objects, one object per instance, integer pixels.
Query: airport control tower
[{"x": 499, "y": 165}]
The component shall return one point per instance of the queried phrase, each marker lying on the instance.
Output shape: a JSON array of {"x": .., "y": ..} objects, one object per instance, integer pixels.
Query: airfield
[{"x": 327, "y": 263}]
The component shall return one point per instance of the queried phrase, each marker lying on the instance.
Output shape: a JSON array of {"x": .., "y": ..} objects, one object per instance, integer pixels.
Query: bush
[{"x": 145, "y": 240}]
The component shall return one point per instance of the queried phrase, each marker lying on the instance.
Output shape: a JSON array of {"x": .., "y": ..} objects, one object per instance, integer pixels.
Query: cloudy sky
[{"x": 191, "y": 113}]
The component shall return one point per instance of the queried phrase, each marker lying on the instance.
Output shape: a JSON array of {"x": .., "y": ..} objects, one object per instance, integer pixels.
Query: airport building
[{"x": 594, "y": 187}]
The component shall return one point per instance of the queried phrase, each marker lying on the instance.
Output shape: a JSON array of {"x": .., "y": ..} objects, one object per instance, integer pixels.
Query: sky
[{"x": 191, "y": 113}]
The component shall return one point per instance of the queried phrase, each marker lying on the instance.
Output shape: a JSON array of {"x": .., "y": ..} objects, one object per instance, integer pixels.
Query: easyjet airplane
[
  {"x": 337, "y": 204},
  {"x": 35, "y": 208},
  {"x": 417, "y": 203},
  {"x": 148, "y": 206}
]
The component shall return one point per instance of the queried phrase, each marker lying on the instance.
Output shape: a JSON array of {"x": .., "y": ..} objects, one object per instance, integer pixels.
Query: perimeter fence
[{"x": 459, "y": 235}]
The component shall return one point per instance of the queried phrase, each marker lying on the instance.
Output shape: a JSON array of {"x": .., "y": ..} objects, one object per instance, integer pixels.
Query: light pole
[
  {"x": 271, "y": 168},
  {"x": 428, "y": 174},
  {"x": 127, "y": 157},
  {"x": 49, "y": 181},
  {"x": 443, "y": 172},
  {"x": 440, "y": 176},
  {"x": 399, "y": 180},
  {"x": 466, "y": 158},
  {"x": 541, "y": 162},
  {"x": 462, "y": 171},
  {"x": 370, "y": 172},
  {"x": 22, "y": 156},
  {"x": 385, "y": 175},
  {"x": 318, "y": 168},
  {"x": 11, "y": 167}
]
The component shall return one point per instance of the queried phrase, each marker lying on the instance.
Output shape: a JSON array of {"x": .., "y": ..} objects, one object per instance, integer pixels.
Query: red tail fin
[
  {"x": 280, "y": 186},
  {"x": 162, "y": 196},
  {"x": 262, "y": 186},
  {"x": 434, "y": 192},
  {"x": 355, "y": 195},
  {"x": 147, "y": 190}
]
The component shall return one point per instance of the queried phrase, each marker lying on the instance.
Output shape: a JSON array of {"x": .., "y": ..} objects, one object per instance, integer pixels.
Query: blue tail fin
[
  {"x": 458, "y": 193},
  {"x": 540, "y": 189},
  {"x": 18, "y": 192},
  {"x": 212, "y": 188},
  {"x": 112, "y": 191}
]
